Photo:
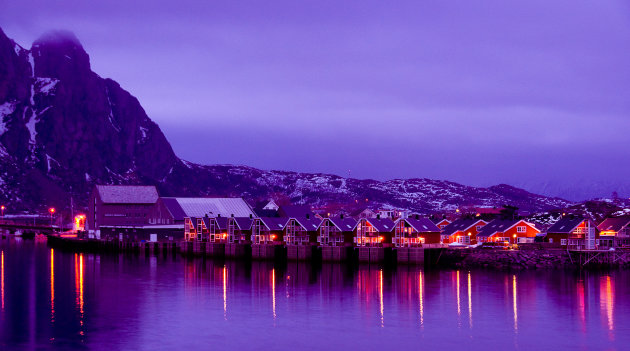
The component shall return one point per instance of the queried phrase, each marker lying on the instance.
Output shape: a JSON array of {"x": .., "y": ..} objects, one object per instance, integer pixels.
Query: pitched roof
[
  {"x": 460, "y": 225},
  {"x": 421, "y": 225},
  {"x": 310, "y": 224},
  {"x": 181, "y": 207},
  {"x": 381, "y": 224},
  {"x": 438, "y": 220},
  {"x": 127, "y": 194},
  {"x": 345, "y": 224},
  {"x": 500, "y": 226},
  {"x": 274, "y": 223},
  {"x": 614, "y": 224},
  {"x": 244, "y": 223},
  {"x": 565, "y": 225}
]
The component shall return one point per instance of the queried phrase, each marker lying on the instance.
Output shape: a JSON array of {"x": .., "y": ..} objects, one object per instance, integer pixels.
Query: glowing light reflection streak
[
  {"x": 459, "y": 304},
  {"x": 52, "y": 285},
  {"x": 224, "y": 292},
  {"x": 469, "y": 301},
  {"x": 380, "y": 296},
  {"x": 514, "y": 301},
  {"x": 421, "y": 298},
  {"x": 273, "y": 292}
]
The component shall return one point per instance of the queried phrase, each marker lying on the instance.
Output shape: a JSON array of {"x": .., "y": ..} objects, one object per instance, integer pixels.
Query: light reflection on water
[{"x": 147, "y": 302}]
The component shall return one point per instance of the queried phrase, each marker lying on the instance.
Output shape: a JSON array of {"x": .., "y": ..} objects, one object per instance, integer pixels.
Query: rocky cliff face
[{"x": 63, "y": 129}]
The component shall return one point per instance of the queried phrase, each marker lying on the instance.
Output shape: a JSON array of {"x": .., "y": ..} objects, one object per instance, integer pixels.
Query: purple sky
[{"x": 518, "y": 92}]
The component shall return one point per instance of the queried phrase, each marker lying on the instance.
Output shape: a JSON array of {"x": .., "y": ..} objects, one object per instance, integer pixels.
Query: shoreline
[{"x": 431, "y": 258}]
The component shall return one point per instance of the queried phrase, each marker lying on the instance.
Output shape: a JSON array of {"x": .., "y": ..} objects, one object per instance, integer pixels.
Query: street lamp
[
  {"x": 2, "y": 208},
  {"x": 52, "y": 211}
]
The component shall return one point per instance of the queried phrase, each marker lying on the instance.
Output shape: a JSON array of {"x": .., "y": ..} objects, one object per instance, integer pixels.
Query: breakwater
[{"x": 533, "y": 259}]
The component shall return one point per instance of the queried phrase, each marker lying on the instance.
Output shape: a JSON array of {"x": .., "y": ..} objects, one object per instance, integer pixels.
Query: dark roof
[
  {"x": 461, "y": 224},
  {"x": 438, "y": 220},
  {"x": 565, "y": 225},
  {"x": 345, "y": 224},
  {"x": 222, "y": 222},
  {"x": 310, "y": 224},
  {"x": 614, "y": 224},
  {"x": 421, "y": 225},
  {"x": 174, "y": 208},
  {"x": 498, "y": 225},
  {"x": 127, "y": 194},
  {"x": 296, "y": 211},
  {"x": 260, "y": 212},
  {"x": 274, "y": 223},
  {"x": 381, "y": 224},
  {"x": 244, "y": 223}
]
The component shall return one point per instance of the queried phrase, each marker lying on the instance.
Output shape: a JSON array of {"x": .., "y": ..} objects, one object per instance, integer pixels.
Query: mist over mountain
[{"x": 63, "y": 128}]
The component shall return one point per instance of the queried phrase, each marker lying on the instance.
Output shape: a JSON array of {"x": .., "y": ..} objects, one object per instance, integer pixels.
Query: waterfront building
[
  {"x": 614, "y": 232},
  {"x": 374, "y": 232},
  {"x": 301, "y": 230},
  {"x": 120, "y": 205},
  {"x": 415, "y": 231},
  {"x": 573, "y": 233},
  {"x": 268, "y": 230},
  {"x": 515, "y": 231},
  {"x": 337, "y": 231},
  {"x": 239, "y": 230},
  {"x": 463, "y": 231},
  {"x": 173, "y": 210}
]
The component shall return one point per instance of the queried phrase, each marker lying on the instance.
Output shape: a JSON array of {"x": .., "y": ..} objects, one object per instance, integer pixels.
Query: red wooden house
[
  {"x": 573, "y": 233},
  {"x": 268, "y": 230},
  {"x": 463, "y": 231},
  {"x": 301, "y": 230},
  {"x": 614, "y": 232},
  {"x": 514, "y": 231},
  {"x": 374, "y": 232},
  {"x": 239, "y": 230},
  {"x": 337, "y": 231},
  {"x": 415, "y": 231}
]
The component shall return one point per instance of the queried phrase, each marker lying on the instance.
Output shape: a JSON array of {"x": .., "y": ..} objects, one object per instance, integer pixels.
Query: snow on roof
[
  {"x": 211, "y": 206},
  {"x": 127, "y": 194}
]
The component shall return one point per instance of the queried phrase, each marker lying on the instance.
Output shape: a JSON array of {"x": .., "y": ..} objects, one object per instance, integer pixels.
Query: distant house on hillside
[
  {"x": 515, "y": 231},
  {"x": 363, "y": 213},
  {"x": 441, "y": 222}
]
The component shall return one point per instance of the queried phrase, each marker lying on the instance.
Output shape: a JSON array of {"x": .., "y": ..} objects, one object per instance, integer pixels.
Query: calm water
[{"x": 53, "y": 299}]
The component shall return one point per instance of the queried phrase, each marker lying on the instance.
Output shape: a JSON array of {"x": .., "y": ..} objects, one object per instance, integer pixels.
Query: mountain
[
  {"x": 579, "y": 188},
  {"x": 63, "y": 129}
]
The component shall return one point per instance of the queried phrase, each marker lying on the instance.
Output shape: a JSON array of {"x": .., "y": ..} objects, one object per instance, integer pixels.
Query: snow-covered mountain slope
[{"x": 63, "y": 129}]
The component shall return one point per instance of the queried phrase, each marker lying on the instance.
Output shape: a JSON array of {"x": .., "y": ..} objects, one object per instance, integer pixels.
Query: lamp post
[
  {"x": 52, "y": 211},
  {"x": 2, "y": 208}
]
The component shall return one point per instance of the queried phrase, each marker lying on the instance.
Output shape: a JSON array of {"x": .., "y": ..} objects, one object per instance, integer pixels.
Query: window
[
  {"x": 521, "y": 229},
  {"x": 563, "y": 241},
  {"x": 478, "y": 227}
]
